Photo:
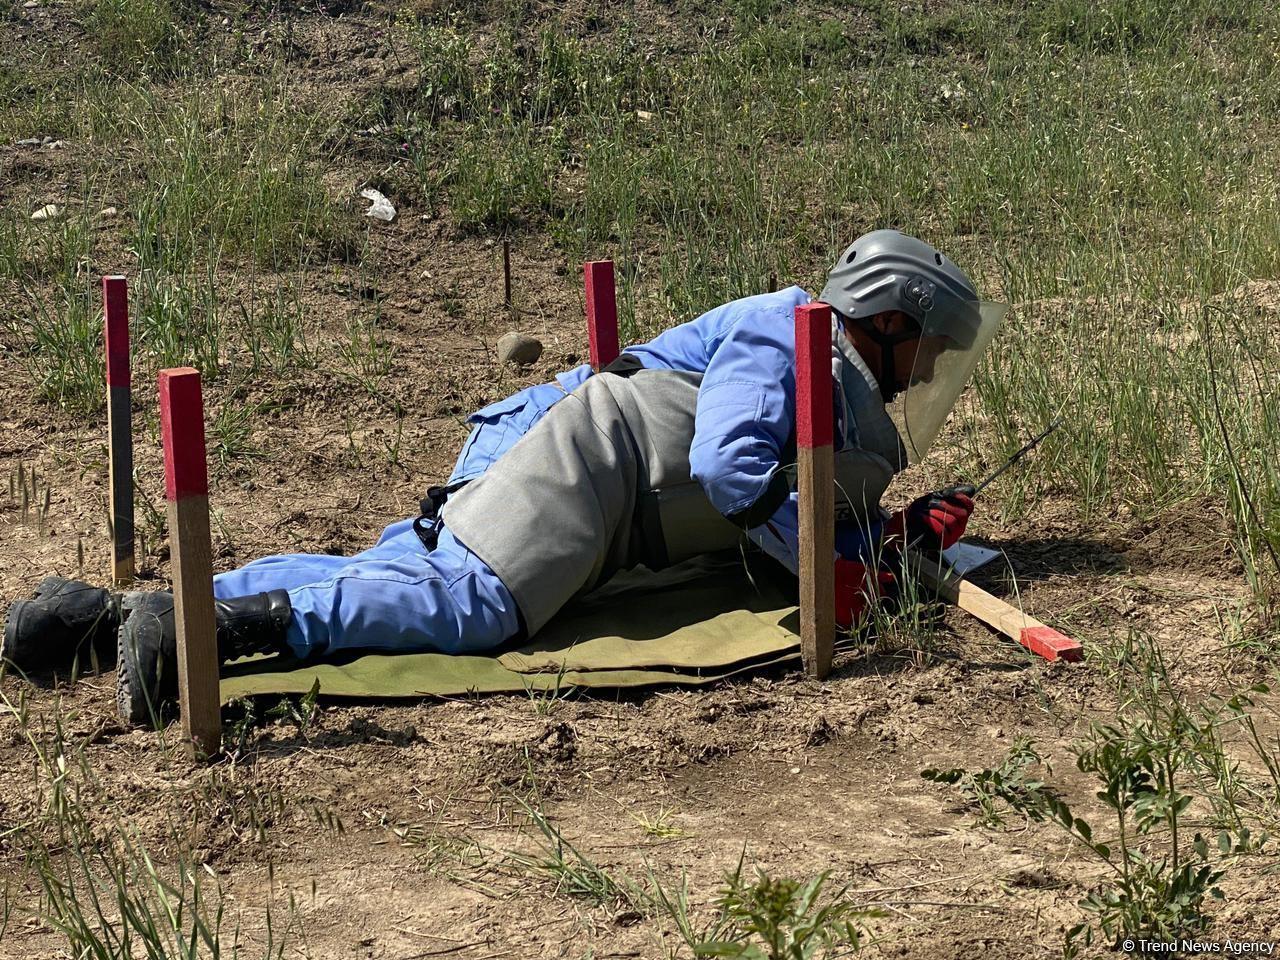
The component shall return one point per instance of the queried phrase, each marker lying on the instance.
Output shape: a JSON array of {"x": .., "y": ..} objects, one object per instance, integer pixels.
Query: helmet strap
[
  {"x": 888, "y": 362},
  {"x": 886, "y": 342}
]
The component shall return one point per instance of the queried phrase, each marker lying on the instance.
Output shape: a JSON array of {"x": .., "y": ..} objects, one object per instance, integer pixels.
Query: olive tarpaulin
[{"x": 693, "y": 623}]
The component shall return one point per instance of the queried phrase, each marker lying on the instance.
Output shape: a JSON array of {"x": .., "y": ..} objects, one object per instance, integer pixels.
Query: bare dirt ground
[{"x": 388, "y": 826}]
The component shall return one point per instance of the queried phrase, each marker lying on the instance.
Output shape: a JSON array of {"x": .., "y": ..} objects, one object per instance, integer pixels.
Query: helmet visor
[{"x": 945, "y": 359}]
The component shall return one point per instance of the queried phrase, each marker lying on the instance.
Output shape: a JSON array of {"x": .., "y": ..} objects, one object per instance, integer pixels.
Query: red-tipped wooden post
[
  {"x": 602, "y": 312},
  {"x": 815, "y": 484},
  {"x": 115, "y": 322},
  {"x": 186, "y": 487}
]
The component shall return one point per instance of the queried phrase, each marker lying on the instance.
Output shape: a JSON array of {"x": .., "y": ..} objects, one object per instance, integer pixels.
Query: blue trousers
[{"x": 394, "y": 597}]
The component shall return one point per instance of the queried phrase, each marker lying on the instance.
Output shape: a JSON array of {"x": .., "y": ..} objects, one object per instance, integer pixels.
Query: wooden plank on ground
[
  {"x": 1039, "y": 638},
  {"x": 115, "y": 322},
  {"x": 186, "y": 483},
  {"x": 602, "y": 312},
  {"x": 815, "y": 487}
]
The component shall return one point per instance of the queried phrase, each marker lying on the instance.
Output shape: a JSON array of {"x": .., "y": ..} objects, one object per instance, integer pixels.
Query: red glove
[
  {"x": 932, "y": 522},
  {"x": 856, "y": 590}
]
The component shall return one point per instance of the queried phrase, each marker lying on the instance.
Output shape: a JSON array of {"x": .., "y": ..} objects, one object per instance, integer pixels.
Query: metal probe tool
[
  {"x": 1022, "y": 452},
  {"x": 973, "y": 491}
]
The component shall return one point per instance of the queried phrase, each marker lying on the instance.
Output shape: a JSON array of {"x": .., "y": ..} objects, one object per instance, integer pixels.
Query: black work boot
[
  {"x": 63, "y": 619},
  {"x": 147, "y": 647}
]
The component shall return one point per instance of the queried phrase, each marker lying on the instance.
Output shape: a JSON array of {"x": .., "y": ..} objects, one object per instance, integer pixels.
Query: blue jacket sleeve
[
  {"x": 746, "y": 414},
  {"x": 779, "y": 536}
]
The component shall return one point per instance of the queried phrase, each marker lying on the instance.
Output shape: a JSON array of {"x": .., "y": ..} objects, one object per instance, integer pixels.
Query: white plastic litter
[
  {"x": 381, "y": 208},
  {"x": 50, "y": 211}
]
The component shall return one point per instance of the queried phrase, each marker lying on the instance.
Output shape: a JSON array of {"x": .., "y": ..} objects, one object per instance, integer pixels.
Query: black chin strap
[
  {"x": 888, "y": 362},
  {"x": 888, "y": 375}
]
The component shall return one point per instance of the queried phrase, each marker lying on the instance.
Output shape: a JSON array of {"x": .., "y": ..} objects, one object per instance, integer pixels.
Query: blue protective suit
[{"x": 397, "y": 596}]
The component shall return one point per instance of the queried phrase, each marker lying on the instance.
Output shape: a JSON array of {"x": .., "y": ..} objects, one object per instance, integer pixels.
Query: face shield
[{"x": 950, "y": 346}]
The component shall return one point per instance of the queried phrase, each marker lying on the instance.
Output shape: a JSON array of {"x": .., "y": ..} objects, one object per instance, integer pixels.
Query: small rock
[
  {"x": 31, "y": 4},
  {"x": 47, "y": 140},
  {"x": 108, "y": 213},
  {"x": 29, "y": 142},
  {"x": 381, "y": 208},
  {"x": 53, "y": 145},
  {"x": 519, "y": 349},
  {"x": 50, "y": 211}
]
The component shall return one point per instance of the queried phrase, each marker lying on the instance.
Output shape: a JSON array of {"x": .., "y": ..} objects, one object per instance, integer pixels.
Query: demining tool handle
[
  {"x": 186, "y": 487},
  {"x": 1039, "y": 638},
  {"x": 815, "y": 486},
  {"x": 115, "y": 323}
]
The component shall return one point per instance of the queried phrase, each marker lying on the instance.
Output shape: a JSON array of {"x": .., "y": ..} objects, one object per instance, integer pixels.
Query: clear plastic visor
[{"x": 941, "y": 368}]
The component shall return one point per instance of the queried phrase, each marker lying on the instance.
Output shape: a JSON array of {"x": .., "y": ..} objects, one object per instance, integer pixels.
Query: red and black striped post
[
  {"x": 115, "y": 322},
  {"x": 186, "y": 487},
  {"x": 815, "y": 485},
  {"x": 602, "y": 312}
]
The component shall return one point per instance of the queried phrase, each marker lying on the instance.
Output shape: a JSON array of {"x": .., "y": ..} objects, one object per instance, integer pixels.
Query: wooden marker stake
[
  {"x": 115, "y": 321},
  {"x": 506, "y": 273},
  {"x": 186, "y": 487},
  {"x": 602, "y": 312},
  {"x": 1040, "y": 638},
  {"x": 815, "y": 484}
]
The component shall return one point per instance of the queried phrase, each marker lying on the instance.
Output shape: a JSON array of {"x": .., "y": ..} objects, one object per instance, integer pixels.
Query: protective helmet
[{"x": 885, "y": 271}]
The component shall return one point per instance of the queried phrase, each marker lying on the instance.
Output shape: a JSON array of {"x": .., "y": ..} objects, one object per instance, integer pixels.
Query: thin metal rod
[
  {"x": 1026, "y": 448},
  {"x": 506, "y": 273}
]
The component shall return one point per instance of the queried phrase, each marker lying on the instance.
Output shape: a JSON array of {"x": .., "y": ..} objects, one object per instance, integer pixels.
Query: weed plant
[
  {"x": 136, "y": 35},
  {"x": 768, "y": 918},
  {"x": 1159, "y": 768},
  {"x": 100, "y": 886},
  {"x": 758, "y": 918},
  {"x": 220, "y": 176},
  {"x": 573, "y": 873}
]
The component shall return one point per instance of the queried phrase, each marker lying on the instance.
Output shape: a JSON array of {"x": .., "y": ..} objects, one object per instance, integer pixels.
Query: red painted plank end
[
  {"x": 814, "y": 408},
  {"x": 1050, "y": 644},
  {"x": 182, "y": 430},
  {"x": 602, "y": 312},
  {"x": 115, "y": 322}
]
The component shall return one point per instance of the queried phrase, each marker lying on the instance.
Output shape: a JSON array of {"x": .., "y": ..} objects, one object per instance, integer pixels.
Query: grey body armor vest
[
  {"x": 559, "y": 513},
  {"x": 602, "y": 484}
]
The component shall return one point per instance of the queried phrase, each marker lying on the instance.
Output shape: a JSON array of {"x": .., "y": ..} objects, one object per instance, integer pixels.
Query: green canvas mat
[{"x": 695, "y": 623}]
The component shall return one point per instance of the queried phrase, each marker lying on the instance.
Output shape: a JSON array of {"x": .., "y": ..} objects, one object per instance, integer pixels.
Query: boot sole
[{"x": 137, "y": 706}]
